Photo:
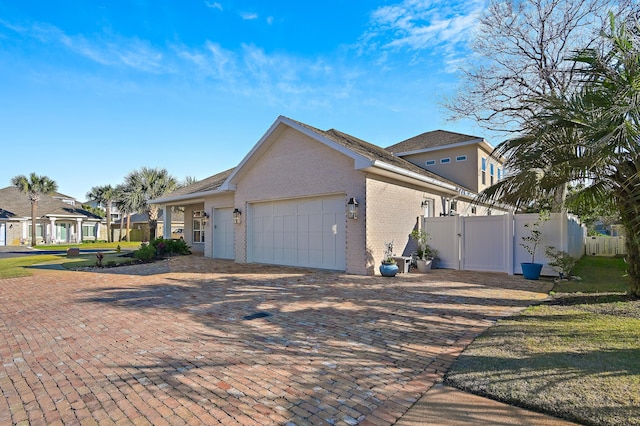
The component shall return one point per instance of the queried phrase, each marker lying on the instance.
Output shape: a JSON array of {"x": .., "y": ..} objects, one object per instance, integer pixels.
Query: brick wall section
[
  {"x": 291, "y": 166},
  {"x": 393, "y": 211}
]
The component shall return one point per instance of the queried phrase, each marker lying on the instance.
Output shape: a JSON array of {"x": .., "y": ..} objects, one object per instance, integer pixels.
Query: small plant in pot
[
  {"x": 531, "y": 270},
  {"x": 389, "y": 268},
  {"x": 425, "y": 253}
]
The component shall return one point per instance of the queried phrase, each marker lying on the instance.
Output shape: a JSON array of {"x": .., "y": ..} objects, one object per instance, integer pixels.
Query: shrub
[{"x": 145, "y": 253}]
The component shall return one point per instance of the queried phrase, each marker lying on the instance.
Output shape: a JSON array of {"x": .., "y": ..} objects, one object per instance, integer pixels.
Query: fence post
[{"x": 509, "y": 242}]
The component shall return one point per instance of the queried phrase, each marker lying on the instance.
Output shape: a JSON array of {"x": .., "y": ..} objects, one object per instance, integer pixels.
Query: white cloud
[
  {"x": 270, "y": 20},
  {"x": 213, "y": 5},
  {"x": 248, "y": 16},
  {"x": 106, "y": 49},
  {"x": 418, "y": 25}
]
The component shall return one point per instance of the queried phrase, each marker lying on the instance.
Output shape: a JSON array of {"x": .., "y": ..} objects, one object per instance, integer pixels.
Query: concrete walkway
[{"x": 198, "y": 341}]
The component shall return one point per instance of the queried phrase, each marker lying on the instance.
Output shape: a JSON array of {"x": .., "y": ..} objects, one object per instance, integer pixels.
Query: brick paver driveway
[{"x": 167, "y": 343}]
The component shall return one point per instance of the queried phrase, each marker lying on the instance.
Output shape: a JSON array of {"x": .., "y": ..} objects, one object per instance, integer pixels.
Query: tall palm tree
[
  {"x": 124, "y": 202},
  {"x": 34, "y": 186},
  {"x": 104, "y": 195},
  {"x": 591, "y": 138},
  {"x": 147, "y": 184}
]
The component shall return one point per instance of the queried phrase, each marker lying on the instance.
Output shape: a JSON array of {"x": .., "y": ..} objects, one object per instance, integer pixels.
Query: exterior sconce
[
  {"x": 352, "y": 208},
  {"x": 424, "y": 204},
  {"x": 205, "y": 215},
  {"x": 237, "y": 216}
]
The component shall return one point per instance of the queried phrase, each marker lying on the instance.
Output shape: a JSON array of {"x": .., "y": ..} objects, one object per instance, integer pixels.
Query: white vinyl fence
[
  {"x": 605, "y": 246},
  {"x": 492, "y": 243}
]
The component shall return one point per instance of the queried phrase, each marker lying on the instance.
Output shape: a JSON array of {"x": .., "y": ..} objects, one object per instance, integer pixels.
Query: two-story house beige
[{"x": 325, "y": 199}]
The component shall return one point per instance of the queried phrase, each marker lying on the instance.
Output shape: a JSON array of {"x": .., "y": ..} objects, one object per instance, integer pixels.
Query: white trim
[
  {"x": 446, "y": 160},
  {"x": 461, "y": 158}
]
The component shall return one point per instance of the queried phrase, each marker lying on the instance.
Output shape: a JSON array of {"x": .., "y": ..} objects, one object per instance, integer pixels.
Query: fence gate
[
  {"x": 486, "y": 243},
  {"x": 493, "y": 243},
  {"x": 3, "y": 234}
]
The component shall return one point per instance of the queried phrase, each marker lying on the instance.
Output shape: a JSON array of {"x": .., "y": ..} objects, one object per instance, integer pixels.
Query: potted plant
[
  {"x": 425, "y": 253},
  {"x": 389, "y": 268},
  {"x": 531, "y": 270}
]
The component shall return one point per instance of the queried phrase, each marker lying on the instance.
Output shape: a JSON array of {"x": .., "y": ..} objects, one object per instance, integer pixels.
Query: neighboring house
[
  {"x": 288, "y": 202},
  {"x": 116, "y": 215},
  {"x": 58, "y": 221},
  {"x": 139, "y": 229}
]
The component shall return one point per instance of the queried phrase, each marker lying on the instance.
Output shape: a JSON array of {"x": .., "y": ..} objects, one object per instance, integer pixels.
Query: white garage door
[
  {"x": 306, "y": 232},
  {"x": 223, "y": 240},
  {"x": 3, "y": 234}
]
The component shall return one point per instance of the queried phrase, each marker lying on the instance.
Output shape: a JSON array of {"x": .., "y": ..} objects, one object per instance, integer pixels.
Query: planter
[
  {"x": 388, "y": 269},
  {"x": 531, "y": 271},
  {"x": 424, "y": 266}
]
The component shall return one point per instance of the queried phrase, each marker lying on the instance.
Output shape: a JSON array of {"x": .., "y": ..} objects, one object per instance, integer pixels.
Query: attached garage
[
  {"x": 223, "y": 234},
  {"x": 308, "y": 232}
]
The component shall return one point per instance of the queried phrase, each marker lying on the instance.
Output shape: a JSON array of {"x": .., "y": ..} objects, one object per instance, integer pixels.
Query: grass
[
  {"x": 598, "y": 274},
  {"x": 16, "y": 266},
  {"x": 134, "y": 245},
  {"x": 19, "y": 266},
  {"x": 575, "y": 356}
]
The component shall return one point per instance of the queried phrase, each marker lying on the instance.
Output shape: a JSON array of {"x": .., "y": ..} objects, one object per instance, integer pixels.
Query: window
[
  {"x": 491, "y": 172},
  {"x": 88, "y": 231},
  {"x": 445, "y": 160},
  {"x": 39, "y": 230},
  {"x": 499, "y": 173},
  {"x": 461, "y": 158},
  {"x": 454, "y": 206},
  {"x": 198, "y": 226},
  {"x": 430, "y": 163},
  {"x": 484, "y": 171}
]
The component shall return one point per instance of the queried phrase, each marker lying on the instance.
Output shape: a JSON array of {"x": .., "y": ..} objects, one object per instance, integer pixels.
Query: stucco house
[
  {"x": 325, "y": 199},
  {"x": 59, "y": 220}
]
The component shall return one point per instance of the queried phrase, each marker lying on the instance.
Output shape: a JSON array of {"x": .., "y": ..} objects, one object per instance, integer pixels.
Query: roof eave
[
  {"x": 382, "y": 168},
  {"x": 195, "y": 197}
]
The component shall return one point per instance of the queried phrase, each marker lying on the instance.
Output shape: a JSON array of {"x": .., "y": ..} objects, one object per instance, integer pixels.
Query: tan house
[
  {"x": 324, "y": 199},
  {"x": 59, "y": 220}
]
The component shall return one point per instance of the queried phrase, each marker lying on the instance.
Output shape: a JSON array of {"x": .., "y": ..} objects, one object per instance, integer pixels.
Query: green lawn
[
  {"x": 575, "y": 356},
  {"x": 134, "y": 245},
  {"x": 19, "y": 266}
]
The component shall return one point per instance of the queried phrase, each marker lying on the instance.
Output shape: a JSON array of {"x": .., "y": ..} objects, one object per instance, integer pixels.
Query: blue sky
[{"x": 91, "y": 90}]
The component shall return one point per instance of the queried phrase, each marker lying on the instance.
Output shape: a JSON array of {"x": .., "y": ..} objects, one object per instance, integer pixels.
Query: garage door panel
[{"x": 304, "y": 232}]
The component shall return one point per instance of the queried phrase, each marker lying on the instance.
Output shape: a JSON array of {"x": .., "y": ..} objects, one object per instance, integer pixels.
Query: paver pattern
[{"x": 166, "y": 343}]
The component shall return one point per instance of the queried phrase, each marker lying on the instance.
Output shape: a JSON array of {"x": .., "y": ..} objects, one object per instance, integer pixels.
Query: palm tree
[
  {"x": 147, "y": 184},
  {"x": 103, "y": 195},
  {"x": 124, "y": 204},
  {"x": 34, "y": 186},
  {"x": 590, "y": 139}
]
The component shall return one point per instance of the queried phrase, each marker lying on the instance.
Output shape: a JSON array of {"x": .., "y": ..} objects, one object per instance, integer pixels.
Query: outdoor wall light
[
  {"x": 205, "y": 215},
  {"x": 237, "y": 216},
  {"x": 352, "y": 208},
  {"x": 424, "y": 204}
]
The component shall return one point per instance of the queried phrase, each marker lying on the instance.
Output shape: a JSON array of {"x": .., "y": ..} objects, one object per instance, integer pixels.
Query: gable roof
[
  {"x": 436, "y": 139},
  {"x": 366, "y": 156},
  {"x": 202, "y": 187},
  {"x": 15, "y": 204}
]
